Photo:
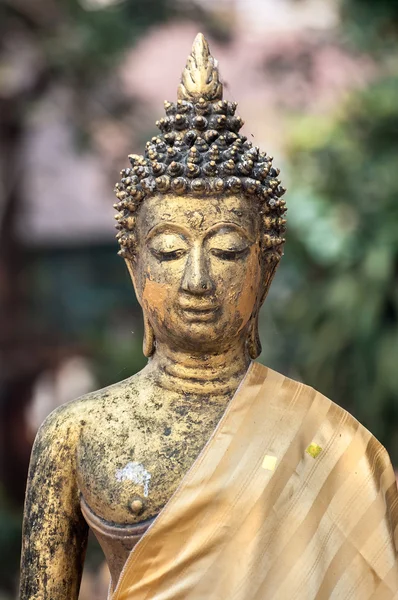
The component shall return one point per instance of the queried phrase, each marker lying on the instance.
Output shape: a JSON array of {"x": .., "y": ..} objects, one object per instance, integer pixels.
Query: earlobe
[
  {"x": 149, "y": 342},
  {"x": 253, "y": 339}
]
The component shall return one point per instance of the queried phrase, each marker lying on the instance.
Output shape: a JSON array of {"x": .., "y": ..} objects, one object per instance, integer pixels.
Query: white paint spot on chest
[{"x": 137, "y": 473}]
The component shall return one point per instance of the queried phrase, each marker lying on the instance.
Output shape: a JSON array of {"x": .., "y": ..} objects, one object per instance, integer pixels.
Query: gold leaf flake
[
  {"x": 314, "y": 450},
  {"x": 269, "y": 462}
]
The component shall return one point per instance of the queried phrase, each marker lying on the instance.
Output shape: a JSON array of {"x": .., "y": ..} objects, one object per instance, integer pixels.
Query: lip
[{"x": 199, "y": 313}]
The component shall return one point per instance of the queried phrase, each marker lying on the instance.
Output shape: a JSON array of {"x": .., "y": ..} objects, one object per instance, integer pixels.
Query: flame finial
[{"x": 200, "y": 78}]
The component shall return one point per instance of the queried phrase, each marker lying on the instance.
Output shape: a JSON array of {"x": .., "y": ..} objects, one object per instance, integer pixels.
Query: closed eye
[
  {"x": 230, "y": 254},
  {"x": 165, "y": 255}
]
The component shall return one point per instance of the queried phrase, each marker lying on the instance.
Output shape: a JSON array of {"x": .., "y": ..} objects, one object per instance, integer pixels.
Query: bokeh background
[{"x": 81, "y": 85}]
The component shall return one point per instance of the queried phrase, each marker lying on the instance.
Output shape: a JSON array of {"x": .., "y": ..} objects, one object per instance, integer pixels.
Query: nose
[{"x": 196, "y": 278}]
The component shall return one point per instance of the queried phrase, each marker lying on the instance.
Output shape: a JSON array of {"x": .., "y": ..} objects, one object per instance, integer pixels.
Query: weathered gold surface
[
  {"x": 201, "y": 263},
  {"x": 200, "y": 77}
]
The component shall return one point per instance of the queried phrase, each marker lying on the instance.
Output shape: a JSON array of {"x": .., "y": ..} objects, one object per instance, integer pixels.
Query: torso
[{"x": 137, "y": 442}]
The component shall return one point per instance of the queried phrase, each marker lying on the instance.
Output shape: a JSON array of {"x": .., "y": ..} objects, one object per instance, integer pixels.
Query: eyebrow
[
  {"x": 229, "y": 226},
  {"x": 166, "y": 226}
]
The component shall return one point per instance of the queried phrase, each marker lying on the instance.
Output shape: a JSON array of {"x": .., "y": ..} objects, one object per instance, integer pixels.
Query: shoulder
[
  {"x": 330, "y": 422},
  {"x": 64, "y": 424},
  {"x": 318, "y": 428}
]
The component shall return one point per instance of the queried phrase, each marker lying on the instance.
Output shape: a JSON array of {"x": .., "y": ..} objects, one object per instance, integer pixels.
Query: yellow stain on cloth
[
  {"x": 314, "y": 450},
  {"x": 269, "y": 462}
]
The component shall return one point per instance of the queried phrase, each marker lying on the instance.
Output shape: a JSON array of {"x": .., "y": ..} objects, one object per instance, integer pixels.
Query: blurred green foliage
[
  {"x": 335, "y": 306},
  {"x": 370, "y": 25},
  {"x": 85, "y": 297}
]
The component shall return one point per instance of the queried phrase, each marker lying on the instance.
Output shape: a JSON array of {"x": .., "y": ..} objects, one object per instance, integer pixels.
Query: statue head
[{"x": 200, "y": 220}]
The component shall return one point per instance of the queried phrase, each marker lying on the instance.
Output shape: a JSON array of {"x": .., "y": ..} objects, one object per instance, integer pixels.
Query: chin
[{"x": 205, "y": 337}]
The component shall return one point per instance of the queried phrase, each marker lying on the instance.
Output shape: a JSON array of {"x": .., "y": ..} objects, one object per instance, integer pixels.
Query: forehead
[{"x": 196, "y": 213}]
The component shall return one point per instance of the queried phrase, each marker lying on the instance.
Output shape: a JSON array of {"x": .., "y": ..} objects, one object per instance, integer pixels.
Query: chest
[{"x": 129, "y": 466}]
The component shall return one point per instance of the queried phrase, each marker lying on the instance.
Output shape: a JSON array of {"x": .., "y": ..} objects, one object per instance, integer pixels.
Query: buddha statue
[{"x": 206, "y": 474}]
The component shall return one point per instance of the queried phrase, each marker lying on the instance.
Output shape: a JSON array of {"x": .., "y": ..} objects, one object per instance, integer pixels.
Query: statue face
[{"x": 197, "y": 272}]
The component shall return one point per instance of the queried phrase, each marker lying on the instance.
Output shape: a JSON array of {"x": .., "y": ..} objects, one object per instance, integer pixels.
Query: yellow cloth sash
[{"x": 290, "y": 498}]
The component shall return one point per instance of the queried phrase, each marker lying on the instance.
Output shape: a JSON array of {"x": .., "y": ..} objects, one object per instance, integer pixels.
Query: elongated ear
[
  {"x": 253, "y": 341},
  {"x": 253, "y": 338},
  {"x": 131, "y": 270},
  {"x": 149, "y": 341}
]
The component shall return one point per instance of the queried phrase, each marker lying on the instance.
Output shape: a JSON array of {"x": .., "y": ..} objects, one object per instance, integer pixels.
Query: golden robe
[{"x": 290, "y": 498}]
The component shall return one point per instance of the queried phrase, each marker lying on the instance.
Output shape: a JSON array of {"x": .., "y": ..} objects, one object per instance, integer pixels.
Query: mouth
[{"x": 202, "y": 313}]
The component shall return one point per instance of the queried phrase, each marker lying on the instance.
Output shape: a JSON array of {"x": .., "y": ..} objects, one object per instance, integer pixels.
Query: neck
[{"x": 216, "y": 375}]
